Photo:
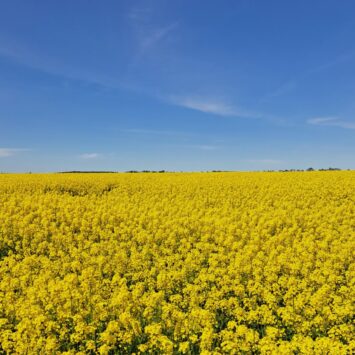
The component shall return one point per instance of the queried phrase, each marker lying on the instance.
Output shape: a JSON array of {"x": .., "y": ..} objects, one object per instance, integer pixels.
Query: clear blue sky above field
[{"x": 176, "y": 85}]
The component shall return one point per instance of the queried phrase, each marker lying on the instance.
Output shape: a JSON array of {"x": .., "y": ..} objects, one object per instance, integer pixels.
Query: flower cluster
[{"x": 209, "y": 263}]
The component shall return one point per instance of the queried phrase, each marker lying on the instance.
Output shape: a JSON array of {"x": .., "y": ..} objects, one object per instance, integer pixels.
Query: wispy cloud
[
  {"x": 139, "y": 13},
  {"x": 281, "y": 90},
  {"x": 148, "y": 32},
  {"x": 331, "y": 121},
  {"x": 156, "y": 35},
  {"x": 89, "y": 156},
  {"x": 9, "y": 152},
  {"x": 27, "y": 57},
  {"x": 212, "y": 106},
  {"x": 293, "y": 83},
  {"x": 340, "y": 59}
]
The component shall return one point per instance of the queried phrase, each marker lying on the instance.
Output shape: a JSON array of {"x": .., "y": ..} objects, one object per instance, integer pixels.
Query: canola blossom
[{"x": 186, "y": 263}]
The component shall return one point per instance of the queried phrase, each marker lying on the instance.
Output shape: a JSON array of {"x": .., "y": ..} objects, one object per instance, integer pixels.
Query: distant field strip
[{"x": 185, "y": 263}]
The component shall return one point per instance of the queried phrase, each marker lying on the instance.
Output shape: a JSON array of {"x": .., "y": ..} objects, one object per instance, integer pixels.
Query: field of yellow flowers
[{"x": 186, "y": 263}]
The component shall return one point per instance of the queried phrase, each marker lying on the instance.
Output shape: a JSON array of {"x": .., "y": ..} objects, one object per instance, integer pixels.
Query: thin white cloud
[
  {"x": 293, "y": 83},
  {"x": 148, "y": 33},
  {"x": 156, "y": 36},
  {"x": 29, "y": 58},
  {"x": 212, "y": 106},
  {"x": 139, "y": 13},
  {"x": 321, "y": 120},
  {"x": 331, "y": 121},
  {"x": 340, "y": 59},
  {"x": 90, "y": 156},
  {"x": 281, "y": 90},
  {"x": 9, "y": 152}
]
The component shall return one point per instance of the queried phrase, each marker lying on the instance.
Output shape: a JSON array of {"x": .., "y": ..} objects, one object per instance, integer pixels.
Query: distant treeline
[
  {"x": 147, "y": 171},
  {"x": 210, "y": 171},
  {"x": 86, "y": 172},
  {"x": 309, "y": 169}
]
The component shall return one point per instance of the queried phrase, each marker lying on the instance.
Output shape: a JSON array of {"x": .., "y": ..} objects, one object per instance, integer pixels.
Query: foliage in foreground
[{"x": 223, "y": 263}]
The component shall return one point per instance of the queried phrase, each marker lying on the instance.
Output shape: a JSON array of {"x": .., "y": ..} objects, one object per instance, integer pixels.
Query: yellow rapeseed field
[{"x": 188, "y": 263}]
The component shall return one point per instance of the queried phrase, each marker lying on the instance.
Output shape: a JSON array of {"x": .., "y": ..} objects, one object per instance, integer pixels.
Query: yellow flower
[{"x": 191, "y": 263}]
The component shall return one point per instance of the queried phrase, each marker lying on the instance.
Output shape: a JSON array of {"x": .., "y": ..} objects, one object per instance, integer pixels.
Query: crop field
[{"x": 185, "y": 263}]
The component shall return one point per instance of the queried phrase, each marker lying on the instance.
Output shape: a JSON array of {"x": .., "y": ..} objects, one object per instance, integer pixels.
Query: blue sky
[{"x": 176, "y": 85}]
